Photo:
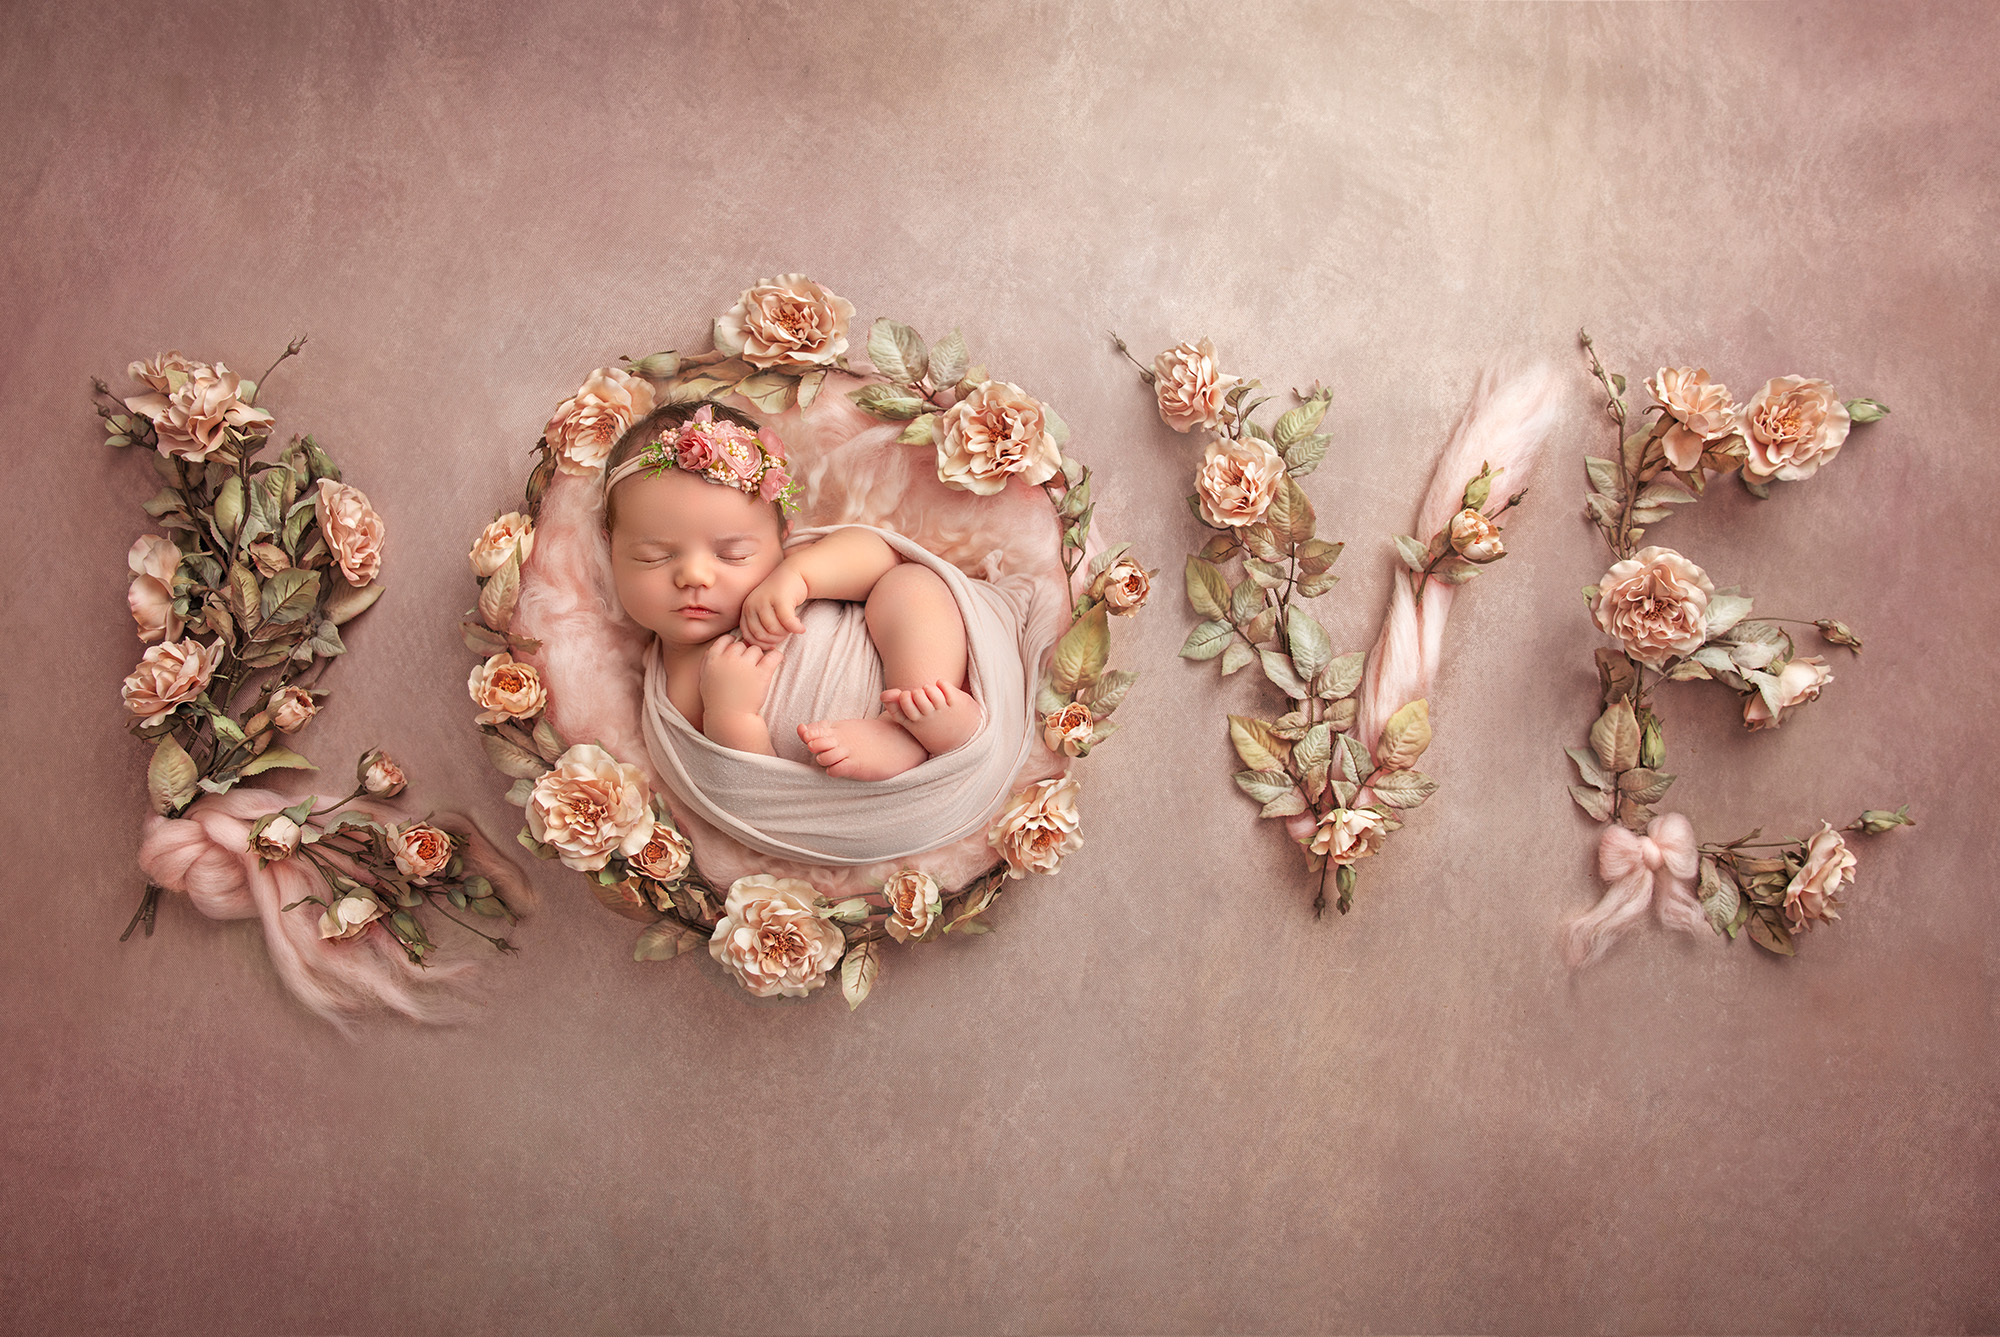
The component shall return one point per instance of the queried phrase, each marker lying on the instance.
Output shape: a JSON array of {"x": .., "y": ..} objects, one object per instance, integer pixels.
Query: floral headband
[{"x": 722, "y": 452}]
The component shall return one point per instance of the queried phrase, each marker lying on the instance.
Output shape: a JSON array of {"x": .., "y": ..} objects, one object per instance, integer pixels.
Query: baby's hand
[
  {"x": 771, "y": 611},
  {"x": 735, "y": 677}
]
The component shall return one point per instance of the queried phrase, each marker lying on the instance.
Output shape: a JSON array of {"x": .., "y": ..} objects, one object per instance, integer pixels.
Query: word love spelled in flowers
[
  {"x": 604, "y": 815},
  {"x": 1339, "y": 765},
  {"x": 241, "y": 598},
  {"x": 1672, "y": 624}
]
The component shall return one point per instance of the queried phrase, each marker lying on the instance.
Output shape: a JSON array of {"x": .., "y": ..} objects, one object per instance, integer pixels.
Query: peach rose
[
  {"x": 1237, "y": 481},
  {"x": 1192, "y": 391},
  {"x": 505, "y": 690},
  {"x": 170, "y": 674},
  {"x": 154, "y": 561},
  {"x": 1345, "y": 835},
  {"x": 1068, "y": 730},
  {"x": 512, "y": 533},
  {"x": 1038, "y": 827},
  {"x": 590, "y": 807},
  {"x": 1702, "y": 411},
  {"x": 995, "y": 432},
  {"x": 291, "y": 708},
  {"x": 587, "y": 425},
  {"x": 1798, "y": 682},
  {"x": 1793, "y": 426},
  {"x": 1655, "y": 603},
  {"x": 193, "y": 419},
  {"x": 1124, "y": 586},
  {"x": 666, "y": 856},
  {"x": 378, "y": 774},
  {"x": 279, "y": 839},
  {"x": 915, "y": 902},
  {"x": 788, "y": 321},
  {"x": 352, "y": 530},
  {"x": 1474, "y": 537},
  {"x": 420, "y": 849},
  {"x": 349, "y": 915},
  {"x": 772, "y": 939},
  {"x": 1829, "y": 866}
]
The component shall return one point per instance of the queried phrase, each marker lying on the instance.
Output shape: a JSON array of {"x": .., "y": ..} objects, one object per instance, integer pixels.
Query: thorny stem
[{"x": 1145, "y": 372}]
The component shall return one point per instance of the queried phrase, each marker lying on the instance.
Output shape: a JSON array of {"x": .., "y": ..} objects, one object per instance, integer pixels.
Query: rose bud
[
  {"x": 1124, "y": 586},
  {"x": 1837, "y": 632},
  {"x": 290, "y": 708},
  {"x": 379, "y": 774},
  {"x": 1475, "y": 539},
  {"x": 1875, "y": 821},
  {"x": 276, "y": 839}
]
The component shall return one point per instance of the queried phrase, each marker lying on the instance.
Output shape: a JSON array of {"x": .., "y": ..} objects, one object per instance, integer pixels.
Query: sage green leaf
[
  {"x": 1260, "y": 627},
  {"x": 1262, "y": 543},
  {"x": 1291, "y": 515},
  {"x": 1867, "y": 410},
  {"x": 949, "y": 360},
  {"x": 1285, "y": 805},
  {"x": 1207, "y": 640},
  {"x": 1720, "y": 900},
  {"x": 289, "y": 596},
  {"x": 918, "y": 432},
  {"x": 1082, "y": 652},
  {"x": 1278, "y": 668},
  {"x": 1109, "y": 690},
  {"x": 771, "y": 391},
  {"x": 1304, "y": 455},
  {"x": 229, "y": 508},
  {"x": 1314, "y": 751},
  {"x": 1265, "y": 575},
  {"x": 1341, "y": 676},
  {"x": 1058, "y": 431},
  {"x": 1354, "y": 759},
  {"x": 1414, "y": 554},
  {"x": 1246, "y": 601},
  {"x": 897, "y": 351},
  {"x": 273, "y": 758},
  {"x": 1311, "y": 647},
  {"x": 886, "y": 402},
  {"x": 1724, "y": 612},
  {"x": 1314, "y": 586},
  {"x": 1207, "y": 590},
  {"x": 171, "y": 777},
  {"x": 326, "y": 642},
  {"x": 501, "y": 593},
  {"x": 1297, "y": 423},
  {"x": 1340, "y": 714},
  {"x": 1316, "y": 555},
  {"x": 346, "y": 602},
  {"x": 1264, "y": 786},
  {"x": 1238, "y": 655},
  {"x": 1260, "y": 747},
  {"x": 512, "y": 759},
  {"x": 1664, "y": 492},
  {"x": 1404, "y": 789},
  {"x": 1603, "y": 475},
  {"x": 666, "y": 940},
  {"x": 1405, "y": 736},
  {"x": 1615, "y": 737}
]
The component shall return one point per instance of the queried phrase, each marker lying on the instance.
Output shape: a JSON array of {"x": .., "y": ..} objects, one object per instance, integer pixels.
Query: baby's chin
[{"x": 692, "y": 634}]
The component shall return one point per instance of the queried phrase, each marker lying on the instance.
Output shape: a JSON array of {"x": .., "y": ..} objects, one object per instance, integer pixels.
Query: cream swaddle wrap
[{"x": 787, "y": 807}]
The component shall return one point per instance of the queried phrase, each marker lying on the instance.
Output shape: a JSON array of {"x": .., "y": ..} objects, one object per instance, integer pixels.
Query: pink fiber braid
[
  {"x": 206, "y": 854},
  {"x": 852, "y": 472}
]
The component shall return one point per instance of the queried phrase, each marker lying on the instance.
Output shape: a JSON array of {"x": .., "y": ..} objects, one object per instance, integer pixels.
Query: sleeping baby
[{"x": 791, "y": 673}]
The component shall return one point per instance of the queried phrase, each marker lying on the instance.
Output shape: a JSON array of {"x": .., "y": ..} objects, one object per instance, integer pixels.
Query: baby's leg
[{"x": 920, "y": 636}]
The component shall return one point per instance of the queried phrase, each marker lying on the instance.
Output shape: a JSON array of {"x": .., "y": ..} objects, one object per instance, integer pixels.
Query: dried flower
[
  {"x": 352, "y": 530},
  {"x": 588, "y": 807},
  {"x": 1347, "y": 834},
  {"x": 997, "y": 431},
  {"x": 1038, "y": 827},
  {"x": 587, "y": 425},
  {"x": 420, "y": 849},
  {"x": 915, "y": 902},
  {"x": 1124, "y": 586},
  {"x": 787, "y": 322},
  {"x": 1237, "y": 481},
  {"x": 1829, "y": 865},
  {"x": 154, "y": 562},
  {"x": 666, "y": 855},
  {"x": 192, "y": 419},
  {"x": 772, "y": 939},
  {"x": 291, "y": 707},
  {"x": 169, "y": 675},
  {"x": 1191, "y": 389},
  {"x": 276, "y": 839},
  {"x": 1701, "y": 409},
  {"x": 349, "y": 915},
  {"x": 1793, "y": 426},
  {"x": 1837, "y": 632},
  {"x": 504, "y": 690},
  {"x": 1798, "y": 682},
  {"x": 1475, "y": 538},
  {"x": 511, "y": 534},
  {"x": 1068, "y": 730},
  {"x": 1655, "y": 603}
]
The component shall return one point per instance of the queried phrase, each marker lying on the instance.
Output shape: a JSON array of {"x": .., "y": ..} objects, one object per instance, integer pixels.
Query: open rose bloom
[
  {"x": 915, "y": 901},
  {"x": 1038, "y": 828},
  {"x": 1799, "y": 681},
  {"x": 997, "y": 431},
  {"x": 666, "y": 855},
  {"x": 1238, "y": 481},
  {"x": 153, "y": 562},
  {"x": 352, "y": 530},
  {"x": 504, "y": 690},
  {"x": 587, "y": 425},
  {"x": 590, "y": 806},
  {"x": 1345, "y": 835},
  {"x": 1829, "y": 866},
  {"x": 786, "y": 322},
  {"x": 421, "y": 850},
  {"x": 194, "y": 407},
  {"x": 1124, "y": 587},
  {"x": 1068, "y": 730},
  {"x": 1701, "y": 409},
  {"x": 170, "y": 675},
  {"x": 772, "y": 939},
  {"x": 512, "y": 533},
  {"x": 1793, "y": 426},
  {"x": 1190, "y": 387},
  {"x": 1655, "y": 603}
]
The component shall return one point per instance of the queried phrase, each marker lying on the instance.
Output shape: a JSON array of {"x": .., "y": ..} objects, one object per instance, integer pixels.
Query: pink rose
[
  {"x": 169, "y": 675},
  {"x": 291, "y": 708},
  {"x": 378, "y": 774},
  {"x": 915, "y": 901},
  {"x": 513, "y": 533},
  {"x": 1346, "y": 835},
  {"x": 1068, "y": 730},
  {"x": 1124, "y": 586},
  {"x": 1191, "y": 389},
  {"x": 1237, "y": 481},
  {"x": 1655, "y": 603},
  {"x": 1798, "y": 682},
  {"x": 276, "y": 839},
  {"x": 193, "y": 419},
  {"x": 160, "y": 372},
  {"x": 789, "y": 322},
  {"x": 772, "y": 939},
  {"x": 352, "y": 530},
  {"x": 349, "y": 916},
  {"x": 1793, "y": 426},
  {"x": 775, "y": 482},
  {"x": 587, "y": 425},
  {"x": 1038, "y": 827},
  {"x": 996, "y": 432},
  {"x": 1475, "y": 538},
  {"x": 420, "y": 849},
  {"x": 666, "y": 855},
  {"x": 504, "y": 690},
  {"x": 1829, "y": 865},
  {"x": 589, "y": 807},
  {"x": 1701, "y": 409},
  {"x": 154, "y": 561}
]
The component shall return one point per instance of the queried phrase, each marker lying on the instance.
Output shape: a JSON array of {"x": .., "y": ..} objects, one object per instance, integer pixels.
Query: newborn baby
[{"x": 695, "y": 512}]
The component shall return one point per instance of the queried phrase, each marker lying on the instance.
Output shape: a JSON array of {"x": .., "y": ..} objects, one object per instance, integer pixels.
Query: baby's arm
[
  {"x": 734, "y": 679},
  {"x": 843, "y": 565}
]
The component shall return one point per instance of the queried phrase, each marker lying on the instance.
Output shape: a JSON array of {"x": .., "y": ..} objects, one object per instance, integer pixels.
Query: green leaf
[
  {"x": 1246, "y": 601},
  {"x": 1311, "y": 647},
  {"x": 1207, "y": 590},
  {"x": 171, "y": 777},
  {"x": 289, "y": 596},
  {"x": 1082, "y": 652},
  {"x": 919, "y": 433},
  {"x": 771, "y": 391},
  {"x": 886, "y": 402},
  {"x": 1615, "y": 737},
  {"x": 1603, "y": 476},
  {"x": 1285, "y": 805},
  {"x": 1304, "y": 455},
  {"x": 512, "y": 759},
  {"x": 1354, "y": 759},
  {"x": 1298, "y": 423},
  {"x": 229, "y": 508},
  {"x": 1724, "y": 612},
  {"x": 1239, "y": 655},
  {"x": 1314, "y": 752},
  {"x": 1109, "y": 691},
  {"x": 858, "y": 970},
  {"x": 897, "y": 351},
  {"x": 1265, "y": 575},
  {"x": 1340, "y": 676},
  {"x": 1415, "y": 555},
  {"x": 274, "y": 758},
  {"x": 1206, "y": 641},
  {"x": 1404, "y": 789},
  {"x": 1291, "y": 515},
  {"x": 1278, "y": 668},
  {"x": 1316, "y": 555},
  {"x": 949, "y": 360},
  {"x": 1058, "y": 430},
  {"x": 1260, "y": 748},
  {"x": 1264, "y": 786},
  {"x": 1314, "y": 586},
  {"x": 666, "y": 940}
]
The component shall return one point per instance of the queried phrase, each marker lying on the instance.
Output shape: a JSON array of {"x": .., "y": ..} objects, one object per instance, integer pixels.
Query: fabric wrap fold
[
  {"x": 1656, "y": 868},
  {"x": 785, "y": 807}
]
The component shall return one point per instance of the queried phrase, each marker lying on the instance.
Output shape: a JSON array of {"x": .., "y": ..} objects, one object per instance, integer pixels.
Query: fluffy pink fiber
[
  {"x": 853, "y": 472},
  {"x": 206, "y": 855}
]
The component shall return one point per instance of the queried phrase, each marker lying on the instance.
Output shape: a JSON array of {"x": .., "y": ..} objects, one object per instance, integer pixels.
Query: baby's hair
[{"x": 655, "y": 425}]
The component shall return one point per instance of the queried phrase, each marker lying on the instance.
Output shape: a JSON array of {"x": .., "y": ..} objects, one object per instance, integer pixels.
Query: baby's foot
[
  {"x": 940, "y": 716},
  {"x": 862, "y": 749}
]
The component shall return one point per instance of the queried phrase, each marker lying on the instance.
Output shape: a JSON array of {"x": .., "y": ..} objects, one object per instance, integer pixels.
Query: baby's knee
[{"x": 909, "y": 587}]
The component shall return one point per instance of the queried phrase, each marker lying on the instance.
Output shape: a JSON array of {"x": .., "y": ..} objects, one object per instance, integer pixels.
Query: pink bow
[{"x": 1634, "y": 867}]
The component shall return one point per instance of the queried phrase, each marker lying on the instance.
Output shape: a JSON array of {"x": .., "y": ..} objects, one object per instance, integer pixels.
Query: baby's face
[{"x": 685, "y": 553}]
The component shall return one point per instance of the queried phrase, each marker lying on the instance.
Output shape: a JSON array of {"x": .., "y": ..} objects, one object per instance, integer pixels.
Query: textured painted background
[{"x": 1160, "y": 1098}]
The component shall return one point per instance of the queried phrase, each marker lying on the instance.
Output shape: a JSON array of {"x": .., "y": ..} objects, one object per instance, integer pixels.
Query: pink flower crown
[{"x": 722, "y": 452}]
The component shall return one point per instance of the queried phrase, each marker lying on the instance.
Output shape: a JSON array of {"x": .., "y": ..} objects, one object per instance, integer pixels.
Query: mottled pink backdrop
[{"x": 1160, "y": 1098}]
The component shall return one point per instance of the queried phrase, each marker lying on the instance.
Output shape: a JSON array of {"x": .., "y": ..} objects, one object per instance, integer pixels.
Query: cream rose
[
  {"x": 420, "y": 849},
  {"x": 1345, "y": 835},
  {"x": 1038, "y": 827},
  {"x": 1068, "y": 730},
  {"x": 590, "y": 807},
  {"x": 666, "y": 855},
  {"x": 192, "y": 419},
  {"x": 1655, "y": 603},
  {"x": 587, "y": 425},
  {"x": 1702, "y": 411},
  {"x": 512, "y": 533},
  {"x": 1191, "y": 389},
  {"x": 1237, "y": 481},
  {"x": 352, "y": 530},
  {"x": 504, "y": 690},
  {"x": 1829, "y": 866},
  {"x": 379, "y": 774},
  {"x": 1793, "y": 426},
  {"x": 1124, "y": 586},
  {"x": 291, "y": 708},
  {"x": 994, "y": 433},
  {"x": 279, "y": 839},
  {"x": 772, "y": 939},
  {"x": 159, "y": 372},
  {"x": 1475, "y": 538},
  {"x": 349, "y": 915},
  {"x": 170, "y": 674},
  {"x": 153, "y": 562},
  {"x": 788, "y": 321},
  {"x": 915, "y": 901},
  {"x": 1798, "y": 682}
]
